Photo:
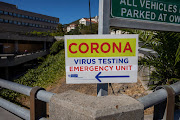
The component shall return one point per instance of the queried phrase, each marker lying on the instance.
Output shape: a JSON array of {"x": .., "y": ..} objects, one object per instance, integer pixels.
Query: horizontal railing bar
[
  {"x": 15, "y": 87},
  {"x": 41, "y": 95},
  {"x": 43, "y": 119},
  {"x": 153, "y": 98},
  {"x": 44, "y": 95},
  {"x": 158, "y": 96},
  {"x": 17, "y": 110}
]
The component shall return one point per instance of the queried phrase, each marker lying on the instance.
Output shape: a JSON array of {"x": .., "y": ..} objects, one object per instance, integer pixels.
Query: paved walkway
[
  {"x": 148, "y": 117},
  {"x": 5, "y": 115}
]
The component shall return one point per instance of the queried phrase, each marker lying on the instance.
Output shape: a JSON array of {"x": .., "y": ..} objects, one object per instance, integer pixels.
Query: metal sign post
[{"x": 103, "y": 28}]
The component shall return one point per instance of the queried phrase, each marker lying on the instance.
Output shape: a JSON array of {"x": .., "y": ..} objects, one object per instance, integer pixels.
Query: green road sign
[{"x": 164, "y": 11}]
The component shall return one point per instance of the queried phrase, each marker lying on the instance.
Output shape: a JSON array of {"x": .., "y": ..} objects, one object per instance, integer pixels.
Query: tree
[
  {"x": 166, "y": 65},
  {"x": 60, "y": 30},
  {"x": 167, "y": 62},
  {"x": 74, "y": 31},
  {"x": 87, "y": 29}
]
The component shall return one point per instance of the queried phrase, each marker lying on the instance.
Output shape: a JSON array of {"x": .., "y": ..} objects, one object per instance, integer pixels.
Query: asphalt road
[{"x": 5, "y": 115}]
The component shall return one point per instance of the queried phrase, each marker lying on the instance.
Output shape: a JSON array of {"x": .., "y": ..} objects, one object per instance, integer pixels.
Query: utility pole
[{"x": 90, "y": 14}]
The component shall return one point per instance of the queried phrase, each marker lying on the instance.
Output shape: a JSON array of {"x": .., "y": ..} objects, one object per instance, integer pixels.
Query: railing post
[
  {"x": 37, "y": 108},
  {"x": 166, "y": 106}
]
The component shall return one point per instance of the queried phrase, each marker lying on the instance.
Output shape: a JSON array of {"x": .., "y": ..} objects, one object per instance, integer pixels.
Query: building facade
[
  {"x": 17, "y": 45},
  {"x": 16, "y": 23},
  {"x": 86, "y": 21},
  {"x": 71, "y": 27},
  {"x": 16, "y": 20}
]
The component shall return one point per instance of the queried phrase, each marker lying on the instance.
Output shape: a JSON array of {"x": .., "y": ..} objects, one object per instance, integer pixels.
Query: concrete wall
[
  {"x": 14, "y": 36},
  {"x": 10, "y": 47},
  {"x": 19, "y": 59},
  {"x": 144, "y": 74},
  {"x": 72, "y": 105},
  {"x": 30, "y": 47}
]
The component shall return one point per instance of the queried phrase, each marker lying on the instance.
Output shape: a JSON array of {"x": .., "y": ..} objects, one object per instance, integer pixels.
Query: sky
[{"x": 66, "y": 10}]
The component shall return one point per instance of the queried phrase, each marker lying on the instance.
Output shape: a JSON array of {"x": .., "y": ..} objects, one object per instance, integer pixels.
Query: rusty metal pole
[
  {"x": 166, "y": 106},
  {"x": 37, "y": 108}
]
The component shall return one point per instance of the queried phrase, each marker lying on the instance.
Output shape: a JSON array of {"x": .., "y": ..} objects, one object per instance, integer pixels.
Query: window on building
[
  {"x": 6, "y": 13},
  {"x": 40, "y": 19},
  {"x": 22, "y": 16},
  {"x": 1, "y": 20},
  {"x": 27, "y": 24},
  {"x": 15, "y": 22},
  {"x": 10, "y": 13},
  {"x": 37, "y": 18},
  {"x": 30, "y": 24},
  {"x": 37, "y": 25},
  {"x": 33, "y": 18},
  {"x": 46, "y": 20},
  {"x": 33, "y": 25},
  {"x": 1, "y": 12},
  {"x": 10, "y": 21},
  {"x": 19, "y": 15},
  {"x": 19, "y": 23},
  {"x": 23, "y": 23},
  {"x": 40, "y": 26},
  {"x": 14, "y": 14},
  {"x": 6, "y": 21},
  {"x": 30, "y": 18},
  {"x": 43, "y": 20},
  {"x": 52, "y": 22},
  {"x": 26, "y": 16},
  {"x": 49, "y": 21}
]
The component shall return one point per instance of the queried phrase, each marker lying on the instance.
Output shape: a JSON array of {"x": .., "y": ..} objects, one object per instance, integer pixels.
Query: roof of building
[
  {"x": 8, "y": 5},
  {"x": 89, "y": 20},
  {"x": 12, "y": 6},
  {"x": 72, "y": 25}
]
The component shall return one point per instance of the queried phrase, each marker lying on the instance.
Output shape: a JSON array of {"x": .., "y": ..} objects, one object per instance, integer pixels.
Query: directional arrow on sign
[{"x": 97, "y": 76}]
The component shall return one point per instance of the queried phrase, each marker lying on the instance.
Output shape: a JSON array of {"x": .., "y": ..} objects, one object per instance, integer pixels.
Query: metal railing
[
  {"x": 41, "y": 95},
  {"x": 163, "y": 101},
  {"x": 158, "y": 96},
  {"x": 149, "y": 100}
]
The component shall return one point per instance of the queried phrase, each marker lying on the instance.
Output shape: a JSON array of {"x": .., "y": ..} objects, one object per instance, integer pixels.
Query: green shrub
[
  {"x": 166, "y": 67},
  {"x": 56, "y": 47},
  {"x": 48, "y": 72}
]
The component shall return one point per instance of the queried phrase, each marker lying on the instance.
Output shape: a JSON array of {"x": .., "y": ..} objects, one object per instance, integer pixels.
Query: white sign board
[{"x": 101, "y": 58}]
